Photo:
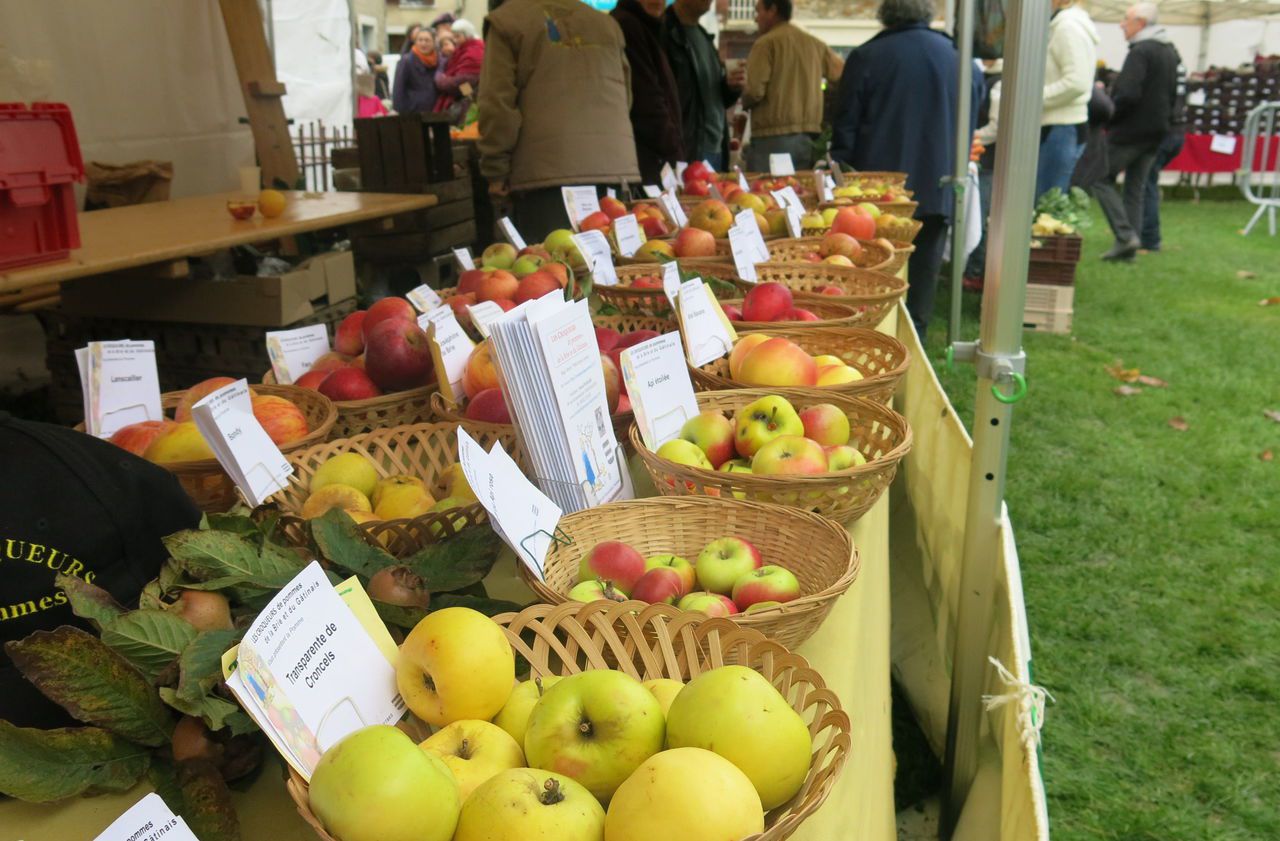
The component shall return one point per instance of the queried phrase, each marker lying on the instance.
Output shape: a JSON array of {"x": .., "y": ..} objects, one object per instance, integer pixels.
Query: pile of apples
[
  {"x": 169, "y": 441},
  {"x": 758, "y": 359},
  {"x": 768, "y": 302},
  {"x": 730, "y": 572},
  {"x": 867, "y": 191},
  {"x": 649, "y": 216},
  {"x": 595, "y": 756},
  {"x": 350, "y": 482},
  {"x": 509, "y": 277},
  {"x": 768, "y": 438},
  {"x": 375, "y": 351},
  {"x": 858, "y": 221}
]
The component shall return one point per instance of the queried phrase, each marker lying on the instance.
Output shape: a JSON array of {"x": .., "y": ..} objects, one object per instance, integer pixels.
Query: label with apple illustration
[
  {"x": 424, "y": 298},
  {"x": 626, "y": 230},
  {"x": 121, "y": 385},
  {"x": 451, "y": 347},
  {"x": 149, "y": 818},
  {"x": 579, "y": 203},
  {"x": 293, "y": 352}
]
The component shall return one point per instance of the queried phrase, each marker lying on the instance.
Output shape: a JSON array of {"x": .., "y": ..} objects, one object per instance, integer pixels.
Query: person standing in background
[
  {"x": 1068, "y": 80},
  {"x": 705, "y": 90},
  {"x": 445, "y": 45},
  {"x": 409, "y": 35},
  {"x": 462, "y": 70},
  {"x": 381, "y": 84},
  {"x": 785, "y": 71},
  {"x": 655, "y": 102},
  {"x": 1168, "y": 150},
  {"x": 555, "y": 102},
  {"x": 443, "y": 25},
  {"x": 986, "y": 136},
  {"x": 1144, "y": 95},
  {"x": 897, "y": 112},
  {"x": 414, "y": 91}
]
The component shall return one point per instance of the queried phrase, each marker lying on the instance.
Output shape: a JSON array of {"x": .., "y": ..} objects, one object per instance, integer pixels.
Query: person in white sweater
[{"x": 1068, "y": 81}]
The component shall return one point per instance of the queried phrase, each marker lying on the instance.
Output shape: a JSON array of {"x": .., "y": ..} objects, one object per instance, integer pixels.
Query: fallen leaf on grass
[
  {"x": 1126, "y": 390},
  {"x": 1245, "y": 274},
  {"x": 1179, "y": 423},
  {"x": 1269, "y": 302},
  {"x": 1154, "y": 382},
  {"x": 1267, "y": 455},
  {"x": 1126, "y": 375},
  {"x": 1273, "y": 414}
]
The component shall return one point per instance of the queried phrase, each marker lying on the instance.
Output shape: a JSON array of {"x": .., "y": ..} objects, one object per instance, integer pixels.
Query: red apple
[
  {"x": 488, "y": 406},
  {"x": 613, "y": 561},
  {"x": 681, "y": 566},
  {"x": 598, "y": 221},
  {"x": 766, "y": 584},
  {"x": 696, "y": 187},
  {"x": 825, "y": 423},
  {"x": 332, "y": 361},
  {"x": 495, "y": 285},
  {"x": 798, "y": 314},
  {"x": 790, "y": 455},
  {"x": 136, "y": 437},
  {"x": 712, "y": 604},
  {"x": 694, "y": 242},
  {"x": 732, "y": 312},
  {"x": 612, "y": 208},
  {"x": 698, "y": 171},
  {"x": 654, "y": 226},
  {"x": 469, "y": 280},
  {"x": 559, "y": 271},
  {"x": 349, "y": 337},
  {"x": 458, "y": 303},
  {"x": 388, "y": 309},
  {"x": 712, "y": 432},
  {"x": 481, "y": 372},
  {"x": 661, "y": 584},
  {"x": 647, "y": 282},
  {"x": 843, "y": 245},
  {"x": 505, "y": 304},
  {"x": 854, "y": 222},
  {"x": 766, "y": 302},
  {"x": 778, "y": 362},
  {"x": 635, "y": 337},
  {"x": 349, "y": 384},
  {"x": 281, "y": 418},
  {"x": 607, "y": 338},
  {"x": 397, "y": 355},
  {"x": 535, "y": 285},
  {"x": 831, "y": 289},
  {"x": 313, "y": 378}
]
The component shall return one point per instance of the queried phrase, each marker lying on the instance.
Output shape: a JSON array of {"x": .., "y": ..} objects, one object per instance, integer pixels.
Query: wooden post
[{"x": 262, "y": 92}]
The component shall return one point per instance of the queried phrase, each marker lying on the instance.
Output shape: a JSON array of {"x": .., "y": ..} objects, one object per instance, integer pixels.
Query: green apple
[
  {"x": 591, "y": 591},
  {"x": 525, "y": 804},
  {"x": 500, "y": 255},
  {"x": 713, "y": 433},
  {"x": 763, "y": 420},
  {"x": 371, "y": 785},
  {"x": 679, "y": 564},
  {"x": 712, "y": 604},
  {"x": 828, "y": 214},
  {"x": 872, "y": 210},
  {"x": 735, "y": 712},
  {"x": 762, "y": 606},
  {"x": 474, "y": 751},
  {"x": 559, "y": 240},
  {"x": 814, "y": 220},
  {"x": 687, "y": 793},
  {"x": 514, "y": 715},
  {"x": 843, "y": 457},
  {"x": 724, "y": 561},
  {"x": 526, "y": 265},
  {"x": 685, "y": 452},
  {"x": 735, "y": 465},
  {"x": 596, "y": 727}
]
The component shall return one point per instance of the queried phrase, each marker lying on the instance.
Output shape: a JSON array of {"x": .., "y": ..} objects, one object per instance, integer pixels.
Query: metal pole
[
  {"x": 964, "y": 142},
  {"x": 1000, "y": 361}
]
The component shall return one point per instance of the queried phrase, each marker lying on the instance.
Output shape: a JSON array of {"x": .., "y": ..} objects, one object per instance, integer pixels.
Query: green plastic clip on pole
[{"x": 1019, "y": 389}]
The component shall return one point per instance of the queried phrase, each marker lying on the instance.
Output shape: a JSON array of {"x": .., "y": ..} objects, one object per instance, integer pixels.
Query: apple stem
[
  {"x": 537, "y": 681},
  {"x": 552, "y": 793},
  {"x": 464, "y": 750}
]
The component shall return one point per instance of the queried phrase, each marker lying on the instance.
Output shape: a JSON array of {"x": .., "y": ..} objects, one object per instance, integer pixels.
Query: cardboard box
[{"x": 321, "y": 281}]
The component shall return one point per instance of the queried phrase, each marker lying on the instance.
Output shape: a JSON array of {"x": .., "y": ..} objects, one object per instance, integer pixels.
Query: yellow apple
[
  {"x": 838, "y": 260},
  {"x": 742, "y": 348},
  {"x": 665, "y": 690},
  {"x": 401, "y": 498},
  {"x": 334, "y": 496},
  {"x": 455, "y": 481},
  {"x": 514, "y": 717},
  {"x": 736, "y": 712},
  {"x": 526, "y": 804},
  {"x": 456, "y": 663},
  {"x": 371, "y": 786},
  {"x": 474, "y": 751},
  {"x": 181, "y": 442},
  {"x": 829, "y": 214},
  {"x": 354, "y": 469},
  {"x": 837, "y": 375},
  {"x": 684, "y": 793},
  {"x": 827, "y": 359}
]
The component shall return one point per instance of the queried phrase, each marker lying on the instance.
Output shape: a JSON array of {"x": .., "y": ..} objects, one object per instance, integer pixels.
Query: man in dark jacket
[
  {"x": 706, "y": 91},
  {"x": 1144, "y": 95},
  {"x": 655, "y": 102},
  {"x": 896, "y": 112}
]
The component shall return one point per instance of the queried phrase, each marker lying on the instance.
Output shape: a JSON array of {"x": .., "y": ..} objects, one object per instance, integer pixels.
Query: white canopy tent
[{"x": 1207, "y": 33}]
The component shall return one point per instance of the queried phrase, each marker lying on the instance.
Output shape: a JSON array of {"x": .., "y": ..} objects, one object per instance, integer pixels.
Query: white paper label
[
  {"x": 743, "y": 251},
  {"x": 713, "y": 190},
  {"x": 657, "y": 378},
  {"x": 652, "y": 191},
  {"x": 595, "y": 250},
  {"x": 707, "y": 337},
  {"x": 424, "y": 298},
  {"x": 454, "y": 343},
  {"x": 828, "y": 188},
  {"x": 293, "y": 352},
  {"x": 123, "y": 386},
  {"x": 671, "y": 206},
  {"x": 780, "y": 163},
  {"x": 509, "y": 231},
  {"x": 1223, "y": 144},
  {"x": 671, "y": 282},
  {"x": 668, "y": 177},
  {"x": 243, "y": 448},
  {"x": 681, "y": 166},
  {"x": 463, "y": 256},
  {"x": 746, "y": 220},
  {"x": 794, "y": 226},
  {"x": 742, "y": 180},
  {"x": 579, "y": 203},
  {"x": 626, "y": 230},
  {"x": 787, "y": 197},
  {"x": 148, "y": 820},
  {"x": 610, "y": 192},
  {"x": 483, "y": 314}
]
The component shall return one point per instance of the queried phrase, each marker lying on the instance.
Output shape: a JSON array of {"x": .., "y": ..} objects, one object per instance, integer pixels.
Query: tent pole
[
  {"x": 1000, "y": 366},
  {"x": 963, "y": 30}
]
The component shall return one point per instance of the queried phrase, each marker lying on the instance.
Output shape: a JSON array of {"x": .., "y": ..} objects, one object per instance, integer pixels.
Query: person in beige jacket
[
  {"x": 555, "y": 108},
  {"x": 785, "y": 71}
]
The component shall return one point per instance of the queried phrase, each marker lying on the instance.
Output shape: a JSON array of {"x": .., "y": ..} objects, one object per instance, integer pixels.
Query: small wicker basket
[
  {"x": 879, "y": 433},
  {"x": 881, "y": 359},
  {"x": 424, "y": 450},
  {"x": 657, "y": 641},
  {"x": 873, "y": 294},
  {"x": 819, "y": 552},
  {"x": 649, "y": 302},
  {"x": 906, "y": 208},
  {"x": 902, "y": 252},
  {"x": 204, "y": 480},
  {"x": 830, "y": 314},
  {"x": 398, "y": 408}
]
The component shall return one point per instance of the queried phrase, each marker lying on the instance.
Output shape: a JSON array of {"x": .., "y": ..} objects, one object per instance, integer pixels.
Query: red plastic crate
[{"x": 39, "y": 160}]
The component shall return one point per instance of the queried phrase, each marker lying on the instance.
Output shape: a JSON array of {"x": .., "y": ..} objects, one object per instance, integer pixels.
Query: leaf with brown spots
[
  {"x": 1126, "y": 390},
  {"x": 1269, "y": 302},
  {"x": 1154, "y": 382},
  {"x": 1121, "y": 373},
  {"x": 1179, "y": 423}
]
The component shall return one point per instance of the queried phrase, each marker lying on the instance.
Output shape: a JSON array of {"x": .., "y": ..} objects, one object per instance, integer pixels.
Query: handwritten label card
[
  {"x": 781, "y": 164},
  {"x": 510, "y": 233},
  {"x": 579, "y": 203},
  {"x": 671, "y": 206},
  {"x": 626, "y": 230},
  {"x": 595, "y": 250},
  {"x": 746, "y": 219},
  {"x": 707, "y": 333},
  {"x": 795, "y": 226},
  {"x": 123, "y": 386},
  {"x": 743, "y": 252},
  {"x": 148, "y": 819},
  {"x": 293, "y": 352},
  {"x": 742, "y": 180},
  {"x": 424, "y": 298},
  {"x": 463, "y": 256},
  {"x": 240, "y": 444},
  {"x": 484, "y": 314},
  {"x": 451, "y": 347},
  {"x": 657, "y": 378}
]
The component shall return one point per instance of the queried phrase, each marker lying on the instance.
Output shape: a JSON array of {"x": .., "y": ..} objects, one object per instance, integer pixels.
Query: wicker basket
[
  {"x": 906, "y": 208},
  {"x": 879, "y": 433},
  {"x": 207, "y": 483},
  {"x": 830, "y": 314},
  {"x": 818, "y": 551},
  {"x": 881, "y": 359},
  {"x": 655, "y": 641},
  {"x": 875, "y": 256},
  {"x": 356, "y": 417},
  {"x": 649, "y": 302},
  {"x": 424, "y": 450},
  {"x": 872, "y": 294},
  {"x": 902, "y": 252},
  {"x": 906, "y": 232}
]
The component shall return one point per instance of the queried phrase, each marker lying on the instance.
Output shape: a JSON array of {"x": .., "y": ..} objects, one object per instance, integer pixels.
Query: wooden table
[{"x": 140, "y": 235}]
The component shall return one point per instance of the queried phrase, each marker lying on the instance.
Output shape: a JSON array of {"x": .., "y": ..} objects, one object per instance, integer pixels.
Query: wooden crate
[
  {"x": 1048, "y": 308},
  {"x": 1047, "y": 321},
  {"x": 405, "y": 153},
  {"x": 1053, "y": 260},
  {"x": 417, "y": 247}
]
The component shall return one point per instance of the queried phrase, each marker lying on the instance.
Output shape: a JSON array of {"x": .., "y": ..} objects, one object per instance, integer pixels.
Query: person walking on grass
[{"x": 1144, "y": 95}]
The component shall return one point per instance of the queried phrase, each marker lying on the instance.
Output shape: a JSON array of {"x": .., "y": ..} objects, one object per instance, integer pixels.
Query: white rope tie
[{"x": 1020, "y": 689}]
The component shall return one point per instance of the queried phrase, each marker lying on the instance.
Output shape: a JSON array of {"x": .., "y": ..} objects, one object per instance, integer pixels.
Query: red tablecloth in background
[{"x": 1197, "y": 157}]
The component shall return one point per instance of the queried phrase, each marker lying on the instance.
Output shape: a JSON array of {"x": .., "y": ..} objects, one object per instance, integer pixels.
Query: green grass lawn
[{"x": 1151, "y": 556}]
